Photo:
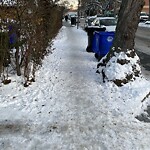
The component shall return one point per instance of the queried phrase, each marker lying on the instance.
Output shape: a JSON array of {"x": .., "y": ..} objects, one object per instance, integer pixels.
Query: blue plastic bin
[
  {"x": 12, "y": 38},
  {"x": 90, "y": 32},
  {"x": 102, "y": 42},
  {"x": 12, "y": 34}
]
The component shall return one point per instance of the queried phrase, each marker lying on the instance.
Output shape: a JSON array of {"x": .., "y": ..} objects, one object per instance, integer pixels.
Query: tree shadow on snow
[{"x": 145, "y": 116}]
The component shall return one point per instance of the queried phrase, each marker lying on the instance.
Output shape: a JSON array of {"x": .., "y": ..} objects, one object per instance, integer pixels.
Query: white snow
[
  {"x": 70, "y": 108},
  {"x": 145, "y": 24},
  {"x": 115, "y": 70}
]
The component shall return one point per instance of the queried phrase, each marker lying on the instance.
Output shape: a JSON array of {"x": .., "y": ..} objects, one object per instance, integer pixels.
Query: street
[
  {"x": 142, "y": 46},
  {"x": 142, "y": 40}
]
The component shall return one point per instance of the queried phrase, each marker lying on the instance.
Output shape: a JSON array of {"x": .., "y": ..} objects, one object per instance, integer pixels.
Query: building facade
[{"x": 146, "y": 6}]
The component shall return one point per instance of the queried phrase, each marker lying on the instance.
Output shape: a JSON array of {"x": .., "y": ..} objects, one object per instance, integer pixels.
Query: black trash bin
[
  {"x": 90, "y": 32},
  {"x": 73, "y": 21}
]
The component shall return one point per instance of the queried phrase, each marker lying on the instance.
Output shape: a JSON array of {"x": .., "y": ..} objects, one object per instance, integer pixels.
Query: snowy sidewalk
[{"x": 69, "y": 108}]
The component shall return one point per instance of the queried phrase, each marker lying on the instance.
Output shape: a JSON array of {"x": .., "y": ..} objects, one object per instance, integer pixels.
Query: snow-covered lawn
[{"x": 70, "y": 108}]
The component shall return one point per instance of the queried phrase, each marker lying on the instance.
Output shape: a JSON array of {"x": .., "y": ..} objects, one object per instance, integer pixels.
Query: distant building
[{"x": 146, "y": 6}]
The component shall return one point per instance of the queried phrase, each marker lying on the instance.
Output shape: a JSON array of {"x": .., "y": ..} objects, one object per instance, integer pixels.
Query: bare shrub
[{"x": 30, "y": 28}]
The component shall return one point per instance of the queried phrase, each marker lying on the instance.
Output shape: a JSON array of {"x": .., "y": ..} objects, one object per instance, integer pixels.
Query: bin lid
[
  {"x": 92, "y": 29},
  {"x": 106, "y": 33}
]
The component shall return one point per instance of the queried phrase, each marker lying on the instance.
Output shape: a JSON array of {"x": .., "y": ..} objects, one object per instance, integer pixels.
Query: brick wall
[{"x": 146, "y": 7}]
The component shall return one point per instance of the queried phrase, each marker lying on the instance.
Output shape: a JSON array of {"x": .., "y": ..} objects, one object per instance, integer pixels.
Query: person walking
[{"x": 66, "y": 18}]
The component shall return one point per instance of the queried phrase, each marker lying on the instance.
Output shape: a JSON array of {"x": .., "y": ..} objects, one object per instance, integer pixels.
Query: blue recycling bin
[
  {"x": 12, "y": 34},
  {"x": 12, "y": 38},
  {"x": 102, "y": 42}
]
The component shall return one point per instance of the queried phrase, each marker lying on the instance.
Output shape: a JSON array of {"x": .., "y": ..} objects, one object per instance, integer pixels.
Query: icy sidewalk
[{"x": 69, "y": 108}]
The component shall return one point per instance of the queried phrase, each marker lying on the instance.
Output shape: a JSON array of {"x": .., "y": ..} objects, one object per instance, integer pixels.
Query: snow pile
[
  {"x": 145, "y": 24},
  {"x": 120, "y": 66}
]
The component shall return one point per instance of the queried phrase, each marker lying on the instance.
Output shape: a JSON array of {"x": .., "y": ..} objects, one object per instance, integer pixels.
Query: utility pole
[
  {"x": 78, "y": 14},
  {"x": 149, "y": 10},
  {"x": 115, "y": 8}
]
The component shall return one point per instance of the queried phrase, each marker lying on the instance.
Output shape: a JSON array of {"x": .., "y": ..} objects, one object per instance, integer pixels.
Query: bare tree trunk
[
  {"x": 123, "y": 44},
  {"x": 128, "y": 23},
  {"x": 17, "y": 61}
]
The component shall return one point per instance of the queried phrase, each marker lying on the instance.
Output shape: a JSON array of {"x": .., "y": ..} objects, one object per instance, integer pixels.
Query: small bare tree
[{"x": 35, "y": 23}]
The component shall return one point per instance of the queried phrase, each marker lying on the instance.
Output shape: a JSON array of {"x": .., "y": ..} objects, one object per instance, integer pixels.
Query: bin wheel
[
  {"x": 98, "y": 57},
  {"x": 88, "y": 49}
]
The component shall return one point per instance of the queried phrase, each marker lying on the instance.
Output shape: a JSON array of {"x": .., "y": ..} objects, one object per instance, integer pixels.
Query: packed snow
[
  {"x": 145, "y": 24},
  {"x": 114, "y": 70},
  {"x": 70, "y": 108}
]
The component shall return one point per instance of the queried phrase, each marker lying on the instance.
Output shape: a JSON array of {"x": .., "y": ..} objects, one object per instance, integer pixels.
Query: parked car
[
  {"x": 108, "y": 22},
  {"x": 89, "y": 20},
  {"x": 143, "y": 17}
]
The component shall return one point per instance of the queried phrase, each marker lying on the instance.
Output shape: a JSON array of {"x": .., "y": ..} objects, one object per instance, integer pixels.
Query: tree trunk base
[{"x": 121, "y": 68}]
